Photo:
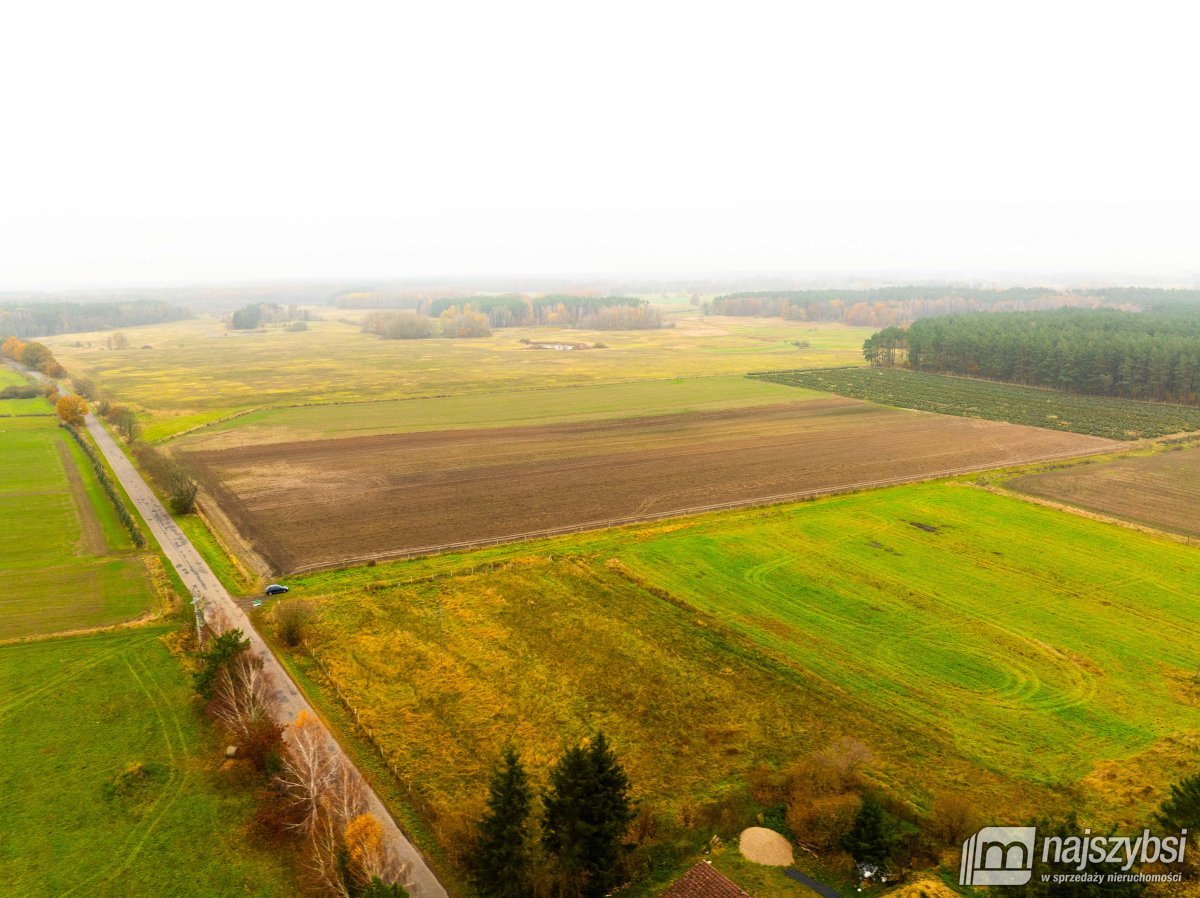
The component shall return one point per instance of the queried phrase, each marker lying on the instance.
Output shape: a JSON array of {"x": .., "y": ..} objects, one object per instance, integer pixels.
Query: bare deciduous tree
[
  {"x": 242, "y": 699},
  {"x": 310, "y": 770}
]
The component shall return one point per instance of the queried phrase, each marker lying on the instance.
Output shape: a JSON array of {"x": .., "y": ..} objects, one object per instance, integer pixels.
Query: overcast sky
[{"x": 169, "y": 142}]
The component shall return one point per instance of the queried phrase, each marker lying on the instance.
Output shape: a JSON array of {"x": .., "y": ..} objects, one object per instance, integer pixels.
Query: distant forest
[
  {"x": 26, "y": 320},
  {"x": 1151, "y": 355},
  {"x": 257, "y": 314},
  {"x": 555, "y": 310},
  {"x": 889, "y": 306}
]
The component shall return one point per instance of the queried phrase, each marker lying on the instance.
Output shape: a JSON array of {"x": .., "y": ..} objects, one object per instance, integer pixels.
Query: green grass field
[
  {"x": 112, "y": 782},
  {"x": 974, "y": 642},
  {"x": 197, "y": 371},
  {"x": 502, "y": 409},
  {"x": 1102, "y": 416},
  {"x": 20, "y": 407},
  {"x": 10, "y": 378},
  {"x": 65, "y": 560}
]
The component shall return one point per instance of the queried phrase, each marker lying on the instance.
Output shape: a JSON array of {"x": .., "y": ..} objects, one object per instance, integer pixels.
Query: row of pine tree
[{"x": 1135, "y": 355}]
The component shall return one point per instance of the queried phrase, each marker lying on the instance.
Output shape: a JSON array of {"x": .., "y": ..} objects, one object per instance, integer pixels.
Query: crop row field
[
  {"x": 111, "y": 779},
  {"x": 973, "y": 642},
  {"x": 1116, "y": 419},
  {"x": 1161, "y": 491},
  {"x": 65, "y": 560},
  {"x": 190, "y": 373},
  {"x": 329, "y": 501}
]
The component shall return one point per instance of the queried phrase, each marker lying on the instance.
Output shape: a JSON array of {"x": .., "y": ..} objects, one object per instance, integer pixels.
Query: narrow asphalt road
[
  {"x": 201, "y": 582},
  {"x": 819, "y": 887}
]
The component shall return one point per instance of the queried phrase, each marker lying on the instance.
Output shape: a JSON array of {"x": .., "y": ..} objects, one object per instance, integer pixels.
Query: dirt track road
[{"x": 199, "y": 579}]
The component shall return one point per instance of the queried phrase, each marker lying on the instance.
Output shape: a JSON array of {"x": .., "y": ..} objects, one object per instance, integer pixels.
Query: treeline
[
  {"x": 406, "y": 325},
  {"x": 468, "y": 321},
  {"x": 308, "y": 797},
  {"x": 257, "y": 314},
  {"x": 26, "y": 392},
  {"x": 110, "y": 488},
  {"x": 35, "y": 356},
  {"x": 47, "y": 319},
  {"x": 891, "y": 306},
  {"x": 555, "y": 310},
  {"x": 1102, "y": 352},
  {"x": 170, "y": 475}
]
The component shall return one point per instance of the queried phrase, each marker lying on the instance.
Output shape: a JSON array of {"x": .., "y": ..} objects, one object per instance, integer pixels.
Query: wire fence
[
  {"x": 414, "y": 798},
  {"x": 759, "y": 502}
]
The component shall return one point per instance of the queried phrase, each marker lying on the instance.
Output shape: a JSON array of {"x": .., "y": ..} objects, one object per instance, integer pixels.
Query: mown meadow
[
  {"x": 551, "y": 405},
  {"x": 65, "y": 560},
  {"x": 190, "y": 373},
  {"x": 111, "y": 778},
  {"x": 973, "y": 642},
  {"x": 9, "y": 408}
]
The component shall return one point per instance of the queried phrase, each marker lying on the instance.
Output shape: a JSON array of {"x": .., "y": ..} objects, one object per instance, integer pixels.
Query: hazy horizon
[{"x": 229, "y": 145}]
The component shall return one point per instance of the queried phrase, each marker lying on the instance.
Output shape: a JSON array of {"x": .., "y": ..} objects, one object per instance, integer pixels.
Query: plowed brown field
[
  {"x": 1162, "y": 491},
  {"x": 325, "y": 501}
]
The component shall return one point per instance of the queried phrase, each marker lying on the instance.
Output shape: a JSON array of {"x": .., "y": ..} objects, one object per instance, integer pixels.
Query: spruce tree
[
  {"x": 587, "y": 812},
  {"x": 501, "y": 861},
  {"x": 1181, "y": 810},
  {"x": 870, "y": 838}
]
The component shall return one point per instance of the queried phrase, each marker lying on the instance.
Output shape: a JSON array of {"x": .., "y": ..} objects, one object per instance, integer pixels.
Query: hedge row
[{"x": 114, "y": 494}]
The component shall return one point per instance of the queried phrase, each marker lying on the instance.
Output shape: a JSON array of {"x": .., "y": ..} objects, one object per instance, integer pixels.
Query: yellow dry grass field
[{"x": 193, "y": 372}]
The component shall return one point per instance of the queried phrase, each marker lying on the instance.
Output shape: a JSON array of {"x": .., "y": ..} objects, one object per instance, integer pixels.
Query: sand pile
[{"x": 765, "y": 846}]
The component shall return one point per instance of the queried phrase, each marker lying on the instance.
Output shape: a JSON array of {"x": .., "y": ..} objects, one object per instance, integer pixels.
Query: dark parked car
[{"x": 276, "y": 590}]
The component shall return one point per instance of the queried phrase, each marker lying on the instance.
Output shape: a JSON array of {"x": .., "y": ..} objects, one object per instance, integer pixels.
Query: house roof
[{"x": 702, "y": 881}]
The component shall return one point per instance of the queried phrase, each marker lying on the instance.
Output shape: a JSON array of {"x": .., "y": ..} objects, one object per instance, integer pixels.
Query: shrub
[
  {"x": 276, "y": 818},
  {"x": 109, "y": 487},
  {"x": 768, "y": 785},
  {"x": 15, "y": 392},
  {"x": 952, "y": 818},
  {"x": 823, "y": 822},
  {"x": 399, "y": 325},
  {"x": 775, "y": 817},
  {"x": 291, "y": 621},
  {"x": 169, "y": 474},
  {"x": 125, "y": 421},
  {"x": 85, "y": 387}
]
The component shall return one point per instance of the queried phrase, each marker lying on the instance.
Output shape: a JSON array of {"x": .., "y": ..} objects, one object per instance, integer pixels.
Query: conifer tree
[
  {"x": 1181, "y": 810},
  {"x": 587, "y": 812},
  {"x": 501, "y": 861},
  {"x": 870, "y": 838}
]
